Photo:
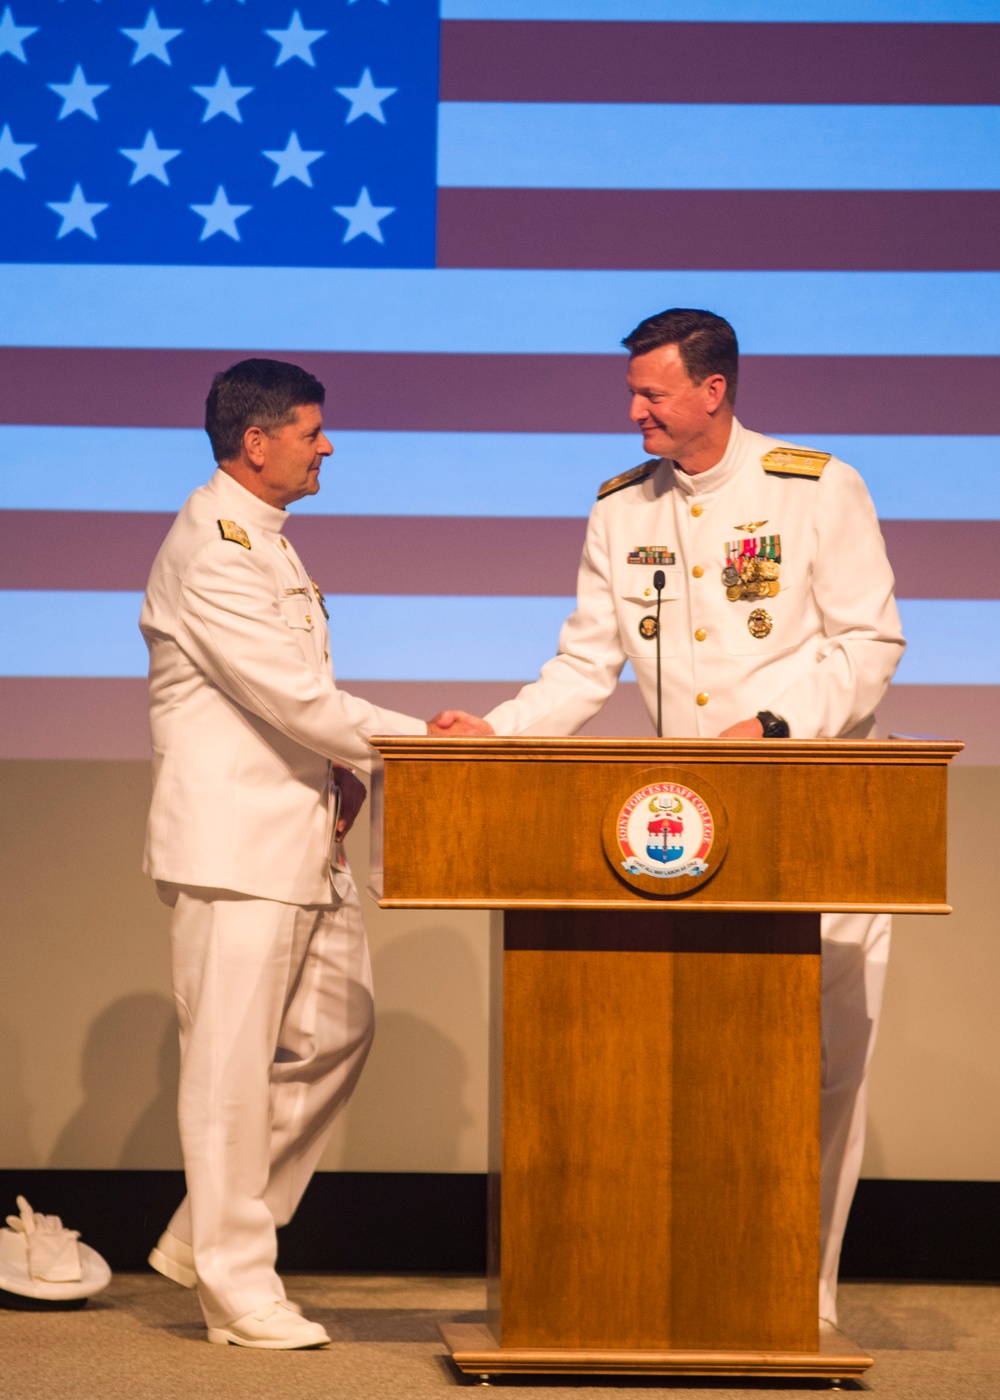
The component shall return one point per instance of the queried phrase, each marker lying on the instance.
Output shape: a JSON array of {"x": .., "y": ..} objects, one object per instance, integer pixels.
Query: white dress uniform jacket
[
  {"x": 834, "y": 638},
  {"x": 245, "y": 713}
]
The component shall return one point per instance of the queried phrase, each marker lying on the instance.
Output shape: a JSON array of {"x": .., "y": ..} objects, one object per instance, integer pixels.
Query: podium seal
[{"x": 667, "y": 835}]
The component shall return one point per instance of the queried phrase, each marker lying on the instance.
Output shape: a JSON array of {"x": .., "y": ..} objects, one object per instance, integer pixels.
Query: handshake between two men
[
  {"x": 456, "y": 724},
  {"x": 241, "y": 684}
]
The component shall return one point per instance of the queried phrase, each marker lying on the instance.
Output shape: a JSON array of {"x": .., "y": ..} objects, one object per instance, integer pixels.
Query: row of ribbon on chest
[
  {"x": 752, "y": 572},
  {"x": 752, "y": 569},
  {"x": 304, "y": 592}
]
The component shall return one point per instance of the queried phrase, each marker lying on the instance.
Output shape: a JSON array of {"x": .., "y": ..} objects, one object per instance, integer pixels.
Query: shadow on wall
[
  {"x": 128, "y": 1118},
  {"x": 411, "y": 1104},
  {"x": 874, "y": 1159},
  {"x": 16, "y": 1147}
]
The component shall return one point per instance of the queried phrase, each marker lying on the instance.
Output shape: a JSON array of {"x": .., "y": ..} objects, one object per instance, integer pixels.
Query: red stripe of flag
[
  {"x": 436, "y": 555},
  {"x": 793, "y": 394},
  {"x": 714, "y": 230},
  {"x": 588, "y": 61},
  {"x": 108, "y": 718}
]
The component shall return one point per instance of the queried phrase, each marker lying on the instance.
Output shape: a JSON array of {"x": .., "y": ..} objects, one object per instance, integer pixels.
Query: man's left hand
[
  {"x": 352, "y": 799},
  {"x": 746, "y": 729}
]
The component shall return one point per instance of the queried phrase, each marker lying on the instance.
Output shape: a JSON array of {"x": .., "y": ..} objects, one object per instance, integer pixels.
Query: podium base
[{"x": 474, "y": 1351}]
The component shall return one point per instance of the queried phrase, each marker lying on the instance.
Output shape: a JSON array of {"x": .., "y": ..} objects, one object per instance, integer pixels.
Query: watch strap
[{"x": 773, "y": 725}]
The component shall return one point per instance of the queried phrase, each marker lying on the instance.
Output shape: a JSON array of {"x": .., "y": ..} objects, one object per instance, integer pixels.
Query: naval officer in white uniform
[
  {"x": 253, "y": 751},
  {"x": 776, "y": 618}
]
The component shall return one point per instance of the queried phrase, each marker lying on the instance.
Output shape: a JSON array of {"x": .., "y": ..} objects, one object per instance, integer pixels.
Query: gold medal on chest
[
  {"x": 753, "y": 567},
  {"x": 760, "y": 623}
]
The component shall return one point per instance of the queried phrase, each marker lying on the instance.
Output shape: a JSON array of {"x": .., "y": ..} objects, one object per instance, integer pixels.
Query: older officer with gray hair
[{"x": 253, "y": 791}]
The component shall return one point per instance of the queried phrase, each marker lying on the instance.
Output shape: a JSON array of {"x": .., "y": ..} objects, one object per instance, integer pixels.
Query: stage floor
[{"x": 142, "y": 1339}]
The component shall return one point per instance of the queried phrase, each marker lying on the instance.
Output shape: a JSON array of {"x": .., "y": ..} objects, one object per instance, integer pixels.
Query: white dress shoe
[
  {"x": 174, "y": 1259},
  {"x": 276, "y": 1326}
]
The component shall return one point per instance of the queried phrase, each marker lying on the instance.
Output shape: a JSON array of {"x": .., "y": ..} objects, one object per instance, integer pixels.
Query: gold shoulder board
[
  {"x": 629, "y": 478},
  {"x": 231, "y": 531},
  {"x": 795, "y": 461}
]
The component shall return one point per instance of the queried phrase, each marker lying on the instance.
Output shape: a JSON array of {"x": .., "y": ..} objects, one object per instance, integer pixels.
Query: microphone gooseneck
[{"x": 659, "y": 581}]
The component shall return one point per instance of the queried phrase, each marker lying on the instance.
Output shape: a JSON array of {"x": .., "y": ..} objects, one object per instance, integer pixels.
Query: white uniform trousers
[
  {"x": 276, "y": 1019},
  {"x": 855, "y": 954}
]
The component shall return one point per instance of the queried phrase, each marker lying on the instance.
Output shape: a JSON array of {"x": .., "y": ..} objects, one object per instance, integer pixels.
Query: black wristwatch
[{"x": 774, "y": 728}]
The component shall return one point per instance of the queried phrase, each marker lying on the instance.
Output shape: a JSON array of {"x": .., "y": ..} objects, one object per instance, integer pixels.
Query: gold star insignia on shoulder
[
  {"x": 231, "y": 531},
  {"x": 751, "y": 526},
  {"x": 795, "y": 461},
  {"x": 629, "y": 478}
]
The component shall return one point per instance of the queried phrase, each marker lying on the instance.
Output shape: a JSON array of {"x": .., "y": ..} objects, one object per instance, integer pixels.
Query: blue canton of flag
[{"x": 213, "y": 133}]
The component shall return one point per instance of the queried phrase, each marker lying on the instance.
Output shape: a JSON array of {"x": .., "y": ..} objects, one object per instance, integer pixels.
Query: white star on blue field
[
  {"x": 264, "y": 132},
  {"x": 151, "y": 40},
  {"x": 13, "y": 35},
  {"x": 76, "y": 213}
]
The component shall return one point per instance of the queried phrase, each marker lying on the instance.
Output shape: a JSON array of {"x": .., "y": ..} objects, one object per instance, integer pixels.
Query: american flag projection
[
  {"x": 452, "y": 218},
  {"x": 219, "y": 133}
]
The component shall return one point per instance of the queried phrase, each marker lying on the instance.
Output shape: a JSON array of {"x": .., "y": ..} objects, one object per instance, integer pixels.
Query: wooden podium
[{"x": 655, "y": 1025}]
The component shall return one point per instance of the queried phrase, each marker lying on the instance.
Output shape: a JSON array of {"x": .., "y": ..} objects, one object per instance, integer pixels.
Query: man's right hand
[{"x": 456, "y": 724}]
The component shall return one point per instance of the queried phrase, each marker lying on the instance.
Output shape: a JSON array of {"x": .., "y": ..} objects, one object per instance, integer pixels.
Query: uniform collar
[
  {"x": 706, "y": 483},
  {"x": 246, "y": 507}
]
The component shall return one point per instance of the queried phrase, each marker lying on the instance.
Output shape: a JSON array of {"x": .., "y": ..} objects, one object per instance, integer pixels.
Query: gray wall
[{"x": 88, "y": 1049}]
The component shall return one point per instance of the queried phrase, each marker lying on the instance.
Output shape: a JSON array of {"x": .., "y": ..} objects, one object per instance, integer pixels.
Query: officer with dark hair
[
  {"x": 756, "y": 572},
  {"x": 254, "y": 753}
]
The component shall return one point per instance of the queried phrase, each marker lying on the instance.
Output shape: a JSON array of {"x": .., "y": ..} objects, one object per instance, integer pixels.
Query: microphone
[{"x": 659, "y": 582}]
